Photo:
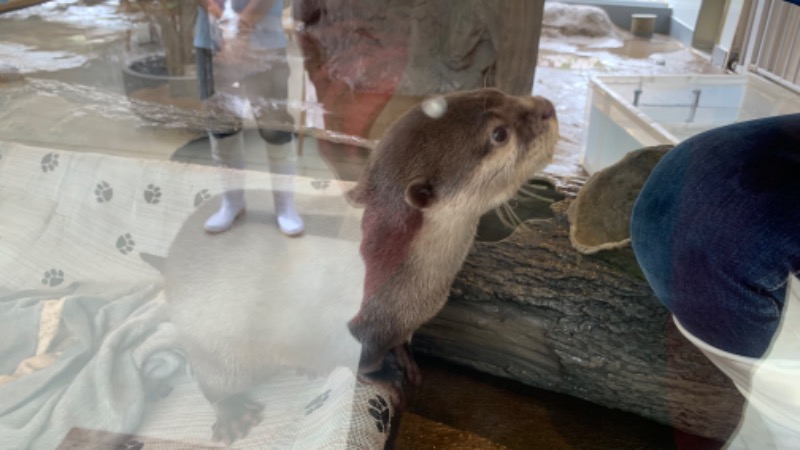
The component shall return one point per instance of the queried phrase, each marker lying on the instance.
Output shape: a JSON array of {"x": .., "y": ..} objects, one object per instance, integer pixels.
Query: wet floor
[
  {"x": 72, "y": 54},
  {"x": 566, "y": 64},
  {"x": 458, "y": 408}
]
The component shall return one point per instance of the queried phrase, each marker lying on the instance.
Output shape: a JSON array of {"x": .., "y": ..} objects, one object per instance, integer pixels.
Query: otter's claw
[
  {"x": 405, "y": 360},
  {"x": 393, "y": 386},
  {"x": 235, "y": 417},
  {"x": 399, "y": 365}
]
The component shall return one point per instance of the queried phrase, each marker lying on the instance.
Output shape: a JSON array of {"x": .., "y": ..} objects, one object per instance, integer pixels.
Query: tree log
[{"x": 533, "y": 309}]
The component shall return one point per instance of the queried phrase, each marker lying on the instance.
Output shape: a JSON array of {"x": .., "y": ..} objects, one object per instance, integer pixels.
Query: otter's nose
[{"x": 546, "y": 108}]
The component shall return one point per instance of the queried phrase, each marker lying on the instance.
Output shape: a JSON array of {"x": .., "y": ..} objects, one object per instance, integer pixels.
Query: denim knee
[{"x": 716, "y": 230}]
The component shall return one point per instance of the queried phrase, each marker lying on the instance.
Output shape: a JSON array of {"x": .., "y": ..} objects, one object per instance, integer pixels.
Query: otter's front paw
[
  {"x": 405, "y": 360},
  {"x": 397, "y": 367},
  {"x": 393, "y": 386},
  {"x": 235, "y": 417}
]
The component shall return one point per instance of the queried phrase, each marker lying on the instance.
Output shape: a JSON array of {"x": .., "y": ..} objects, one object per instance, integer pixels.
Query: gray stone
[
  {"x": 533, "y": 309},
  {"x": 577, "y": 20},
  {"x": 434, "y": 46}
]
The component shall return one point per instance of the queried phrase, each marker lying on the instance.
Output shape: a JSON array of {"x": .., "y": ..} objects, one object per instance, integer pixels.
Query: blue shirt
[{"x": 268, "y": 33}]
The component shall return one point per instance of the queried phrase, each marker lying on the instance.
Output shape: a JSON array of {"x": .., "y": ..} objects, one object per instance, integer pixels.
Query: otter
[
  {"x": 250, "y": 304},
  {"x": 424, "y": 188},
  {"x": 435, "y": 172}
]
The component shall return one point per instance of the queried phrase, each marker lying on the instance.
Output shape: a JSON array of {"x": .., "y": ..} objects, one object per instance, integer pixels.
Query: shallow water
[
  {"x": 566, "y": 64},
  {"x": 97, "y": 22}
]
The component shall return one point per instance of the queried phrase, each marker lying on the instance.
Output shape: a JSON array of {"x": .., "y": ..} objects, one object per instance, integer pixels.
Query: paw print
[
  {"x": 49, "y": 162},
  {"x": 53, "y": 277},
  {"x": 152, "y": 194},
  {"x": 320, "y": 184},
  {"x": 318, "y": 401},
  {"x": 201, "y": 197},
  {"x": 379, "y": 410},
  {"x": 125, "y": 244},
  {"x": 103, "y": 192}
]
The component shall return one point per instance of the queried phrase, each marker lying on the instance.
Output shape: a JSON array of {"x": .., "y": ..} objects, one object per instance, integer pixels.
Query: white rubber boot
[
  {"x": 289, "y": 221},
  {"x": 228, "y": 152},
  {"x": 232, "y": 208},
  {"x": 283, "y": 168}
]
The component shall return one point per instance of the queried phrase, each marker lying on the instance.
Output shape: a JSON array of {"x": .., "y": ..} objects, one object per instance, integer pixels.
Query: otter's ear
[{"x": 419, "y": 194}]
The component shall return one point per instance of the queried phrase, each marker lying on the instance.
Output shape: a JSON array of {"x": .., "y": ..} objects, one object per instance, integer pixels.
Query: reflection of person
[
  {"x": 716, "y": 230},
  {"x": 251, "y": 64}
]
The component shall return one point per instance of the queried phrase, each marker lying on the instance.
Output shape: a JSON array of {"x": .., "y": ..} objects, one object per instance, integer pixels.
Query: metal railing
[{"x": 772, "y": 42}]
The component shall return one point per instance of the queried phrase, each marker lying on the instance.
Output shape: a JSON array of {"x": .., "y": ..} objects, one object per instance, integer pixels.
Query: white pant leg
[{"x": 771, "y": 384}]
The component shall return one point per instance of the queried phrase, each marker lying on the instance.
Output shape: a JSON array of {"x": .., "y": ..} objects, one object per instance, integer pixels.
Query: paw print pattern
[
  {"x": 53, "y": 277},
  {"x": 125, "y": 244},
  {"x": 379, "y": 410},
  {"x": 152, "y": 194},
  {"x": 49, "y": 162},
  {"x": 320, "y": 184},
  {"x": 103, "y": 192},
  {"x": 318, "y": 401},
  {"x": 201, "y": 197}
]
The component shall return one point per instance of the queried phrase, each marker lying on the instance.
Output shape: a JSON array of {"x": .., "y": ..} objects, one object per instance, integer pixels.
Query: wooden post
[{"x": 516, "y": 59}]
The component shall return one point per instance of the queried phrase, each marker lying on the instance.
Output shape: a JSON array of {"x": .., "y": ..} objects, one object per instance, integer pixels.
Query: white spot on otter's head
[{"x": 434, "y": 107}]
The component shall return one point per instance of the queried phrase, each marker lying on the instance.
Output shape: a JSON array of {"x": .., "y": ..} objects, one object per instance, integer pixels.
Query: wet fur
[{"x": 424, "y": 191}]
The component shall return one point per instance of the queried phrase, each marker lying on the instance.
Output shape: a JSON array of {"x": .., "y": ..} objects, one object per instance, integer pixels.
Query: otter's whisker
[
  {"x": 501, "y": 216},
  {"x": 525, "y": 192},
  {"x": 507, "y": 216},
  {"x": 534, "y": 186},
  {"x": 513, "y": 214}
]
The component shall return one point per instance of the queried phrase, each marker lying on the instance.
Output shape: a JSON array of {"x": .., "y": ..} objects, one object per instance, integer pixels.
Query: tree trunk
[{"x": 533, "y": 309}]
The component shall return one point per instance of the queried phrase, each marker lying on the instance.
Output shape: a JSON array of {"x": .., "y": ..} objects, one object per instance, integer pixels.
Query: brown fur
[
  {"x": 424, "y": 191},
  {"x": 425, "y": 188}
]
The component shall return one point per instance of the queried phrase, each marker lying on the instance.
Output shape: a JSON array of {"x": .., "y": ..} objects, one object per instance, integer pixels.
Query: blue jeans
[{"x": 716, "y": 230}]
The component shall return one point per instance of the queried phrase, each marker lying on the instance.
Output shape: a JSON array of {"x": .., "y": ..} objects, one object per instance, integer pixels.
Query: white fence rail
[{"x": 772, "y": 42}]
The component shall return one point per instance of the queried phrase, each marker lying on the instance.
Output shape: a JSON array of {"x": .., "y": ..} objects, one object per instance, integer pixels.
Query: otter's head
[{"x": 473, "y": 151}]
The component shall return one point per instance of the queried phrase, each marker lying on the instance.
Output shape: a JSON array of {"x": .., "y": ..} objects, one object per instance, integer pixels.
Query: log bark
[{"x": 533, "y": 309}]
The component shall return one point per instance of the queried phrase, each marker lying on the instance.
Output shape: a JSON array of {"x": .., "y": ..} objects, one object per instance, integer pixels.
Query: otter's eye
[{"x": 500, "y": 135}]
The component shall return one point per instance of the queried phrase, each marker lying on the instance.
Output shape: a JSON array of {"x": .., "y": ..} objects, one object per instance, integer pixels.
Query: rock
[
  {"x": 577, "y": 20},
  {"x": 426, "y": 46},
  {"x": 533, "y": 309},
  {"x": 9, "y": 73}
]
